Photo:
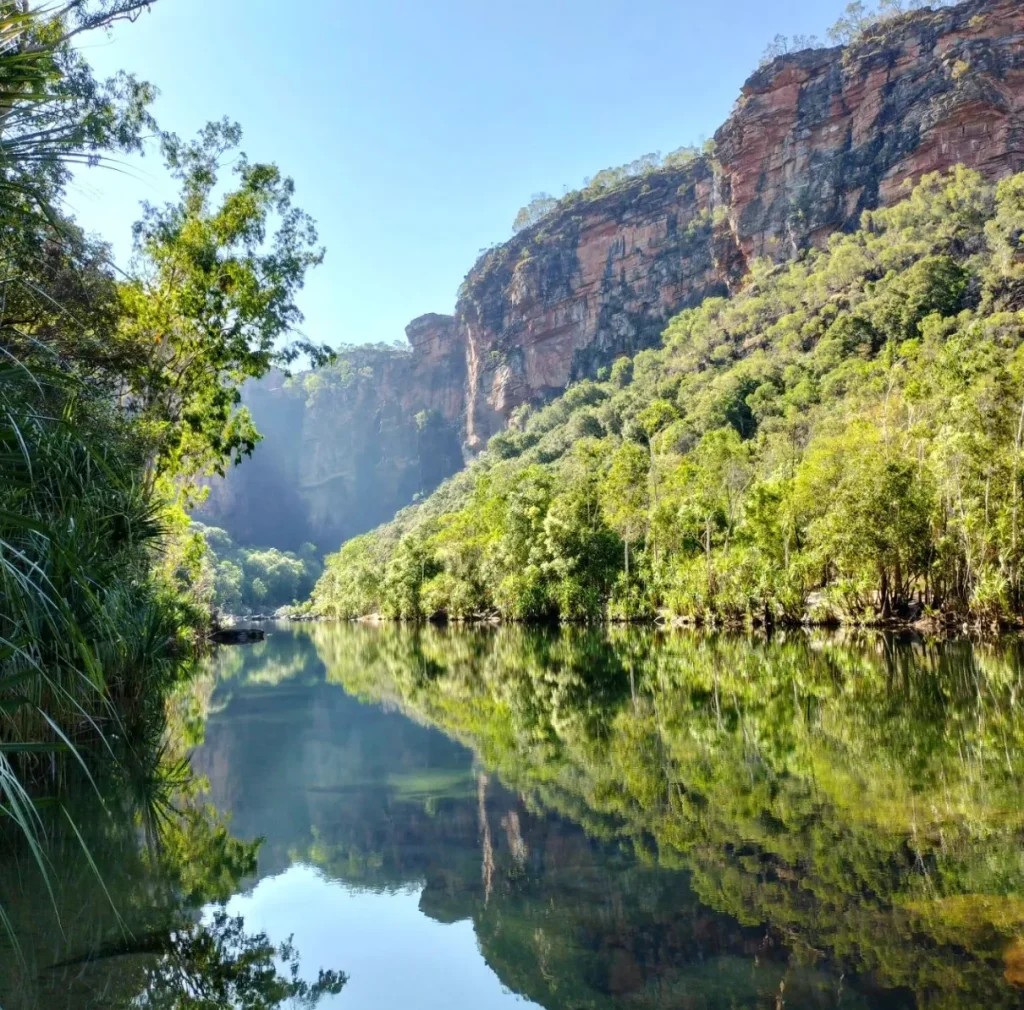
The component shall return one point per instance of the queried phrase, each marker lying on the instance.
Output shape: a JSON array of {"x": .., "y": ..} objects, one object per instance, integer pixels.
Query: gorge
[
  {"x": 816, "y": 138},
  {"x": 646, "y": 633}
]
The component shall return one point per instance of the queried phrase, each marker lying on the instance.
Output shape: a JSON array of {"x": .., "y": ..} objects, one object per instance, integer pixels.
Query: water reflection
[
  {"x": 603, "y": 820},
  {"x": 806, "y": 819},
  {"x": 119, "y": 919}
]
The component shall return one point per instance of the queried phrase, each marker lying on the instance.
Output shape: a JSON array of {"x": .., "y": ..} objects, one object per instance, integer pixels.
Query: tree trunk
[
  {"x": 626, "y": 545},
  {"x": 1014, "y": 562},
  {"x": 707, "y": 552}
]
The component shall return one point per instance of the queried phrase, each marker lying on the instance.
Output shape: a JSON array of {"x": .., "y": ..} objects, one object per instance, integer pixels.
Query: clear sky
[{"x": 415, "y": 129}]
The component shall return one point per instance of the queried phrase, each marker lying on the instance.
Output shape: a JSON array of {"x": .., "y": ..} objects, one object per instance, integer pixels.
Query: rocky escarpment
[
  {"x": 596, "y": 280},
  {"x": 347, "y": 446},
  {"x": 816, "y": 138}
]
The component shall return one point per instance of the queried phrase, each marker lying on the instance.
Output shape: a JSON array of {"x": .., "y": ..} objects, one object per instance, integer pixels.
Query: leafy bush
[{"x": 252, "y": 578}]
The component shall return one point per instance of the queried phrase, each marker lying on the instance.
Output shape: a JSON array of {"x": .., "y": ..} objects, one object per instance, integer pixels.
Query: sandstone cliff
[
  {"x": 816, "y": 138},
  {"x": 348, "y": 446}
]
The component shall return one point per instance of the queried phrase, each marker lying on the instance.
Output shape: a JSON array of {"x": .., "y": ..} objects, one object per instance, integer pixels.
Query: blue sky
[{"x": 415, "y": 129}]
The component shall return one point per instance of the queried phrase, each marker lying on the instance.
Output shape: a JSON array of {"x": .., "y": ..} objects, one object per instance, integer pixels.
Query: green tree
[
  {"x": 625, "y": 495},
  {"x": 539, "y": 207},
  {"x": 718, "y": 473},
  {"x": 868, "y": 513},
  {"x": 582, "y": 550},
  {"x": 213, "y": 291}
]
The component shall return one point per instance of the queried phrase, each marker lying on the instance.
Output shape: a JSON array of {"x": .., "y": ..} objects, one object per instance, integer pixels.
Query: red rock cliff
[{"x": 816, "y": 138}]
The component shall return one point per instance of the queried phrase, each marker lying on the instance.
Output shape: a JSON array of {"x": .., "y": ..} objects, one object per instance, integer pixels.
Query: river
[{"x": 459, "y": 818}]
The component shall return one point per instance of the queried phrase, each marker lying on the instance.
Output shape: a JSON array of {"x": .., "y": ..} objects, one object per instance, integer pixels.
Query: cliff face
[
  {"x": 596, "y": 280},
  {"x": 348, "y": 446},
  {"x": 816, "y": 138},
  {"x": 819, "y": 136}
]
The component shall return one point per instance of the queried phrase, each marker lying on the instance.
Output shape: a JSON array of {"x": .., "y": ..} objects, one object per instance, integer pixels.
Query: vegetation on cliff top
[
  {"x": 856, "y": 21},
  {"x": 843, "y": 439},
  {"x": 543, "y": 205}
]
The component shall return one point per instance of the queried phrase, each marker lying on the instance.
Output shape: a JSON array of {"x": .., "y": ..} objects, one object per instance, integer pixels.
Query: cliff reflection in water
[{"x": 637, "y": 820}]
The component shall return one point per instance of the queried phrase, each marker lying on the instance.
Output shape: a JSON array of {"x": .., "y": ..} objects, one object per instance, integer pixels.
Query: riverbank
[{"x": 946, "y": 625}]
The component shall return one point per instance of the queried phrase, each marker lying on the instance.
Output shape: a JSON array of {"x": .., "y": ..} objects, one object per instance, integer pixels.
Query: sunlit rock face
[
  {"x": 816, "y": 138},
  {"x": 819, "y": 136},
  {"x": 598, "y": 279}
]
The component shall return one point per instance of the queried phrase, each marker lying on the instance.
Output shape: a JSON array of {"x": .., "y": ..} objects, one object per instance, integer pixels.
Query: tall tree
[
  {"x": 625, "y": 495},
  {"x": 215, "y": 278}
]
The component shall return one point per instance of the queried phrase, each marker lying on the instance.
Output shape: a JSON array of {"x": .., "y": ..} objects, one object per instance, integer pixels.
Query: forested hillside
[
  {"x": 817, "y": 136},
  {"x": 256, "y": 580},
  {"x": 843, "y": 439}
]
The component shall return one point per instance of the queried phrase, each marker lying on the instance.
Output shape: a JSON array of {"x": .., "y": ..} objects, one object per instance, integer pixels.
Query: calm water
[{"x": 482, "y": 819}]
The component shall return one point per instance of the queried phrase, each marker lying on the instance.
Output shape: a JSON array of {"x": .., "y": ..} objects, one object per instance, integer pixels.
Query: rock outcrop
[
  {"x": 816, "y": 138},
  {"x": 348, "y": 446},
  {"x": 819, "y": 136},
  {"x": 596, "y": 280}
]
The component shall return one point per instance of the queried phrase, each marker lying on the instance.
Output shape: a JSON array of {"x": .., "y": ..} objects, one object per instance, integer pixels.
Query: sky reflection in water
[
  {"x": 439, "y": 967},
  {"x": 578, "y": 820}
]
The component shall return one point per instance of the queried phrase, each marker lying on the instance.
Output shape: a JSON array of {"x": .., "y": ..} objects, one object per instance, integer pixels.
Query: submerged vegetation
[{"x": 842, "y": 440}]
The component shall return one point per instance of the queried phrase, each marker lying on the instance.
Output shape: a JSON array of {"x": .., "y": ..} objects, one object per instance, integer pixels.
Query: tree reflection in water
[
  {"x": 855, "y": 799},
  {"x": 130, "y": 913},
  {"x": 628, "y": 819}
]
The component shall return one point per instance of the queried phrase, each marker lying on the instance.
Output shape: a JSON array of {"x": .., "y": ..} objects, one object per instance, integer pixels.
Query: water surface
[{"x": 482, "y": 818}]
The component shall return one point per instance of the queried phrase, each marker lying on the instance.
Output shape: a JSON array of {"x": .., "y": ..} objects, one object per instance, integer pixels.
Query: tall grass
[{"x": 83, "y": 635}]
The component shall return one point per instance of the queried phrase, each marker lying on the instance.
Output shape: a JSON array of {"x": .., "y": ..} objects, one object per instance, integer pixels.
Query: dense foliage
[
  {"x": 248, "y": 579},
  {"x": 843, "y": 439},
  {"x": 117, "y": 391}
]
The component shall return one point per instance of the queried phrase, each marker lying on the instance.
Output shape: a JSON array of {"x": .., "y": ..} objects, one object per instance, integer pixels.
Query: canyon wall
[
  {"x": 347, "y": 446},
  {"x": 816, "y": 138}
]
